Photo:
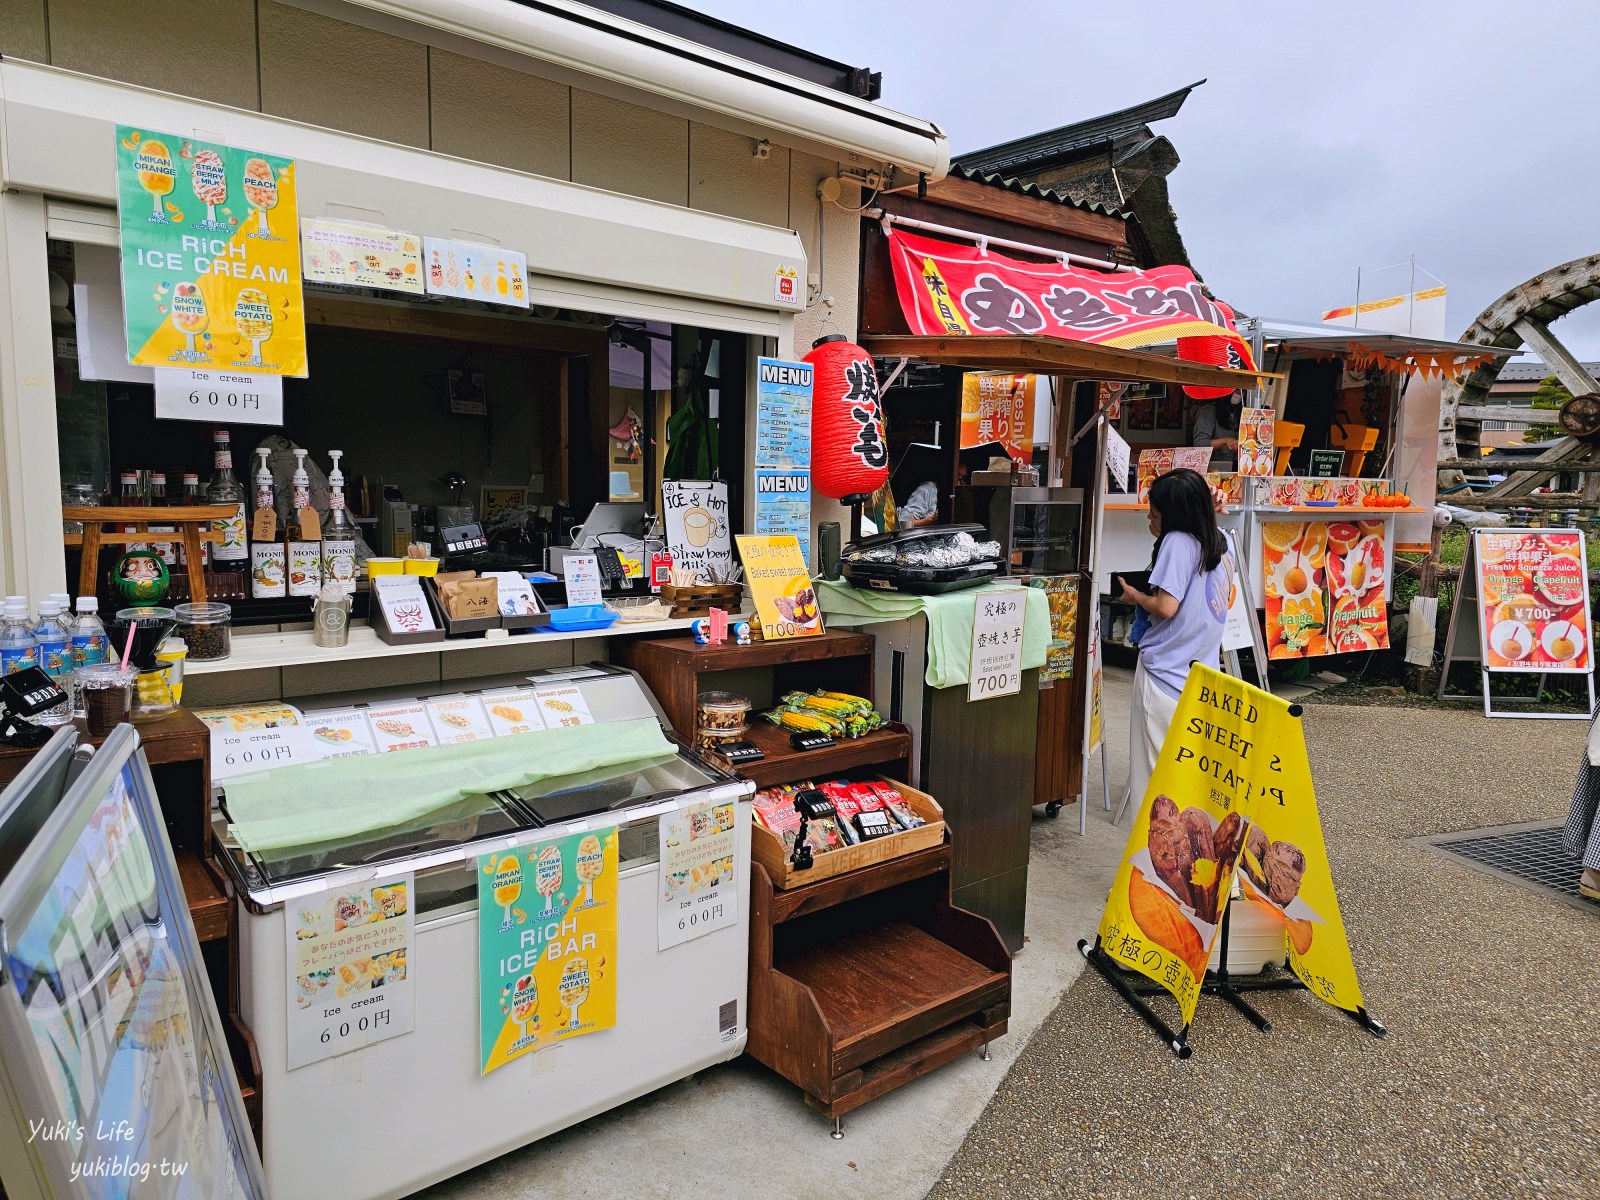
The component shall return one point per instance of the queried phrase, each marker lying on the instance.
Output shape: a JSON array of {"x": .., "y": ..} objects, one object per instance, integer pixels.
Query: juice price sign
[
  {"x": 547, "y": 944},
  {"x": 210, "y": 270},
  {"x": 1533, "y": 589}
]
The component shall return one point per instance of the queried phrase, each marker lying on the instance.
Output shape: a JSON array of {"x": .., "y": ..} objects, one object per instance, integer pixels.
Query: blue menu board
[{"x": 783, "y": 450}]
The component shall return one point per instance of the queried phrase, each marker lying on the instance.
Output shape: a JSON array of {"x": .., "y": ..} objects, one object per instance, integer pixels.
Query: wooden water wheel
[{"x": 1580, "y": 417}]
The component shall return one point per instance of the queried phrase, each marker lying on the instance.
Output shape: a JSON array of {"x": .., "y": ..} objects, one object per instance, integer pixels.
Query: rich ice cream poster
[
  {"x": 210, "y": 255},
  {"x": 547, "y": 944}
]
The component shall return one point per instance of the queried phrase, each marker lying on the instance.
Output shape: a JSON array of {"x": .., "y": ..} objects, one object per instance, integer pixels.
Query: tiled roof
[
  {"x": 1067, "y": 140},
  {"x": 1533, "y": 372},
  {"x": 1010, "y": 183}
]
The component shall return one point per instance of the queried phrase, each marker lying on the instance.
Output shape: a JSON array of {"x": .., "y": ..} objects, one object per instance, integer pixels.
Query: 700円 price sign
[
  {"x": 211, "y": 395},
  {"x": 995, "y": 667}
]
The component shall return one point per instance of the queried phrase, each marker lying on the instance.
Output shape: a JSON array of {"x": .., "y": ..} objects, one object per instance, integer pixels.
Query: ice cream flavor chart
[
  {"x": 547, "y": 942},
  {"x": 209, "y": 278}
]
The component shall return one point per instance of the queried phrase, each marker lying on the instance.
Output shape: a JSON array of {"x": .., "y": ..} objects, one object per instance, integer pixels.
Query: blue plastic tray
[{"x": 588, "y": 616}]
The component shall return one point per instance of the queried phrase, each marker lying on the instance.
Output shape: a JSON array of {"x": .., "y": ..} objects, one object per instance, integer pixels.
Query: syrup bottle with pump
[
  {"x": 268, "y": 560},
  {"x": 338, "y": 533}
]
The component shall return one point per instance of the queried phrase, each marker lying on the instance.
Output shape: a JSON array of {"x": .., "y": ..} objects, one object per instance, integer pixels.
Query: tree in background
[{"x": 1551, "y": 395}]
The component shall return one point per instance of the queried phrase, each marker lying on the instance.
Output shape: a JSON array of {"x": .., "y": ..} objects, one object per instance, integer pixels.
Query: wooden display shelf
[
  {"x": 784, "y": 764},
  {"x": 209, "y": 905},
  {"x": 863, "y": 982}
]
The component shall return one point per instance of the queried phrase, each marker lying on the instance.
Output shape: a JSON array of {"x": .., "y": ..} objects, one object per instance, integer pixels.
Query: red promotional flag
[{"x": 949, "y": 288}]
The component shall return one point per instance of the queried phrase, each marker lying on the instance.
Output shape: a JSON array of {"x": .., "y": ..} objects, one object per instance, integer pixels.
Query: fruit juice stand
[{"x": 1356, "y": 414}]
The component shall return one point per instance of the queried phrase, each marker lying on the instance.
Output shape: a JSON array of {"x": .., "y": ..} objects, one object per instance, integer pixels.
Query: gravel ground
[{"x": 1488, "y": 1084}]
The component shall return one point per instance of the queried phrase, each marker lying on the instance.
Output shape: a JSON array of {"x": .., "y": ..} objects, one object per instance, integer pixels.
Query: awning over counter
[
  {"x": 1393, "y": 350},
  {"x": 1053, "y": 356}
]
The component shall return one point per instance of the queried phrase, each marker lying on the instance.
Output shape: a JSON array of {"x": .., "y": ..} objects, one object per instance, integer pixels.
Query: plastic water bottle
[
  {"x": 17, "y": 649},
  {"x": 53, "y": 645},
  {"x": 89, "y": 643}
]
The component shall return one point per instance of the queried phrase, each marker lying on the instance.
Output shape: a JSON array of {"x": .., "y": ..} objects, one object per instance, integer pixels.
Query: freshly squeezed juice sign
[
  {"x": 210, "y": 264},
  {"x": 547, "y": 944},
  {"x": 1533, "y": 592}
]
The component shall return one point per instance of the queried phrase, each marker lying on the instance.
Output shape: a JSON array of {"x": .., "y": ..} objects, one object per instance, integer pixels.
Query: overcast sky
[{"x": 1328, "y": 136}]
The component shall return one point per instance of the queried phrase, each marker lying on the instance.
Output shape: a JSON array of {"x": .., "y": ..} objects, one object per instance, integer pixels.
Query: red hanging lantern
[
  {"x": 1209, "y": 351},
  {"x": 849, "y": 456}
]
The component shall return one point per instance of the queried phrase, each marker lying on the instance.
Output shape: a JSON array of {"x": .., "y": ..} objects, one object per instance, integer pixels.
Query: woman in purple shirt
[{"x": 1187, "y": 606}]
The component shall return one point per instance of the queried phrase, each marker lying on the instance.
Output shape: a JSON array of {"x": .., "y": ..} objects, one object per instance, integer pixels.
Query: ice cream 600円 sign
[
  {"x": 547, "y": 944},
  {"x": 210, "y": 256}
]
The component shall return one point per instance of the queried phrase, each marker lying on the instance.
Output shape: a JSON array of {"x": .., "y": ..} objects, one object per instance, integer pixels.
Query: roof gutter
[{"x": 586, "y": 41}]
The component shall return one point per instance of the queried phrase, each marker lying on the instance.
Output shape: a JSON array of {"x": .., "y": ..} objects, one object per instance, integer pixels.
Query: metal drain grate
[{"x": 1533, "y": 856}]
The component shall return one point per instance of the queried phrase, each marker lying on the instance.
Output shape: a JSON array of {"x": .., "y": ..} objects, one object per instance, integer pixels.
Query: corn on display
[{"x": 838, "y": 714}]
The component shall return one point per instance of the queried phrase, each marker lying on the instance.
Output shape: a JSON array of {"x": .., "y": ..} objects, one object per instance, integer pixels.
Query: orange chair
[
  {"x": 1285, "y": 438},
  {"x": 1357, "y": 442}
]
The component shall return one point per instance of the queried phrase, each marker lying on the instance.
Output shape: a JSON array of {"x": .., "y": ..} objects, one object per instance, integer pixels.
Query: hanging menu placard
[
  {"x": 367, "y": 256},
  {"x": 209, "y": 278},
  {"x": 468, "y": 271}
]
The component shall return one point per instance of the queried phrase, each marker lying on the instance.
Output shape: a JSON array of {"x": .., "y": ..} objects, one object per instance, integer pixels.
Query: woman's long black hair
[{"x": 1183, "y": 498}]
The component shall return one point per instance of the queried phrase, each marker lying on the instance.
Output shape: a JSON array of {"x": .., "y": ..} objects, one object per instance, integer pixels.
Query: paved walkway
[{"x": 1488, "y": 1085}]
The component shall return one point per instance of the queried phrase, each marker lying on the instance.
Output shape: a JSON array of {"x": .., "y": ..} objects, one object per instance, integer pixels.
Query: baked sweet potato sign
[{"x": 1232, "y": 792}]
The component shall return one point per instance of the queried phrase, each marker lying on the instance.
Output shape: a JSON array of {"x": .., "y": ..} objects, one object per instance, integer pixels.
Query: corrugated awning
[{"x": 1055, "y": 356}]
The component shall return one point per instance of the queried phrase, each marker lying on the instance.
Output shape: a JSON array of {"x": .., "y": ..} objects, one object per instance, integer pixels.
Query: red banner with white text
[{"x": 948, "y": 288}]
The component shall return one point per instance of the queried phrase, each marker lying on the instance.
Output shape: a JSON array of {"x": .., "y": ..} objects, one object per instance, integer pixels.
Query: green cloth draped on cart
[
  {"x": 949, "y": 622},
  {"x": 313, "y": 803}
]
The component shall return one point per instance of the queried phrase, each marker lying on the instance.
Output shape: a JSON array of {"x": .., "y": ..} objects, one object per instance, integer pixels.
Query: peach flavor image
[{"x": 261, "y": 190}]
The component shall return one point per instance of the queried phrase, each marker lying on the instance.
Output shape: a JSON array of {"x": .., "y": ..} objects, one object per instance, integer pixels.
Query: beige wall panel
[
  {"x": 205, "y": 50},
  {"x": 725, "y": 177},
  {"x": 624, "y": 148},
  {"x": 360, "y": 674},
  {"x": 233, "y": 687},
  {"x": 521, "y": 654},
  {"x": 493, "y": 114},
  {"x": 341, "y": 76},
  {"x": 22, "y": 27},
  {"x": 841, "y": 244}
]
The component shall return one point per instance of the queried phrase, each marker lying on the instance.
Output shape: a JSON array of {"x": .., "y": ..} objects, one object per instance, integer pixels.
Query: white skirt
[{"x": 1149, "y": 715}]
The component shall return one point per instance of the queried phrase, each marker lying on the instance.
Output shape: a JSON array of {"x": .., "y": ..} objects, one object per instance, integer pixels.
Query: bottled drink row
[
  {"x": 297, "y": 560},
  {"x": 55, "y": 640}
]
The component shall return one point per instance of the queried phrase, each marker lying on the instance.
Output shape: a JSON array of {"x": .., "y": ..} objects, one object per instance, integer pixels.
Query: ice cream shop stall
[{"x": 1327, "y": 471}]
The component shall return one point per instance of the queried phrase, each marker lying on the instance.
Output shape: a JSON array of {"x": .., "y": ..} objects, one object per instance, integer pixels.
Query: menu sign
[
  {"x": 469, "y": 271},
  {"x": 361, "y": 255},
  {"x": 699, "y": 886},
  {"x": 995, "y": 667},
  {"x": 780, "y": 585},
  {"x": 697, "y": 528},
  {"x": 783, "y": 450},
  {"x": 1533, "y": 600},
  {"x": 1061, "y": 591},
  {"x": 209, "y": 278},
  {"x": 350, "y": 981},
  {"x": 1257, "y": 430}
]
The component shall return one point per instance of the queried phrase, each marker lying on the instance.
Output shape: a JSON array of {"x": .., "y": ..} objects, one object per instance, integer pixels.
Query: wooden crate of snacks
[
  {"x": 768, "y": 848},
  {"x": 698, "y": 599}
]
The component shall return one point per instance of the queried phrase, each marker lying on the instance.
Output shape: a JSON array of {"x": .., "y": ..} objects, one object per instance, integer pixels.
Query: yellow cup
[
  {"x": 385, "y": 566},
  {"x": 422, "y": 566}
]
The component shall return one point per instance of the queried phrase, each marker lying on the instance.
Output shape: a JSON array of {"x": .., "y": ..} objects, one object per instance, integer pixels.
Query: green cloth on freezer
[
  {"x": 949, "y": 622},
  {"x": 312, "y": 803}
]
